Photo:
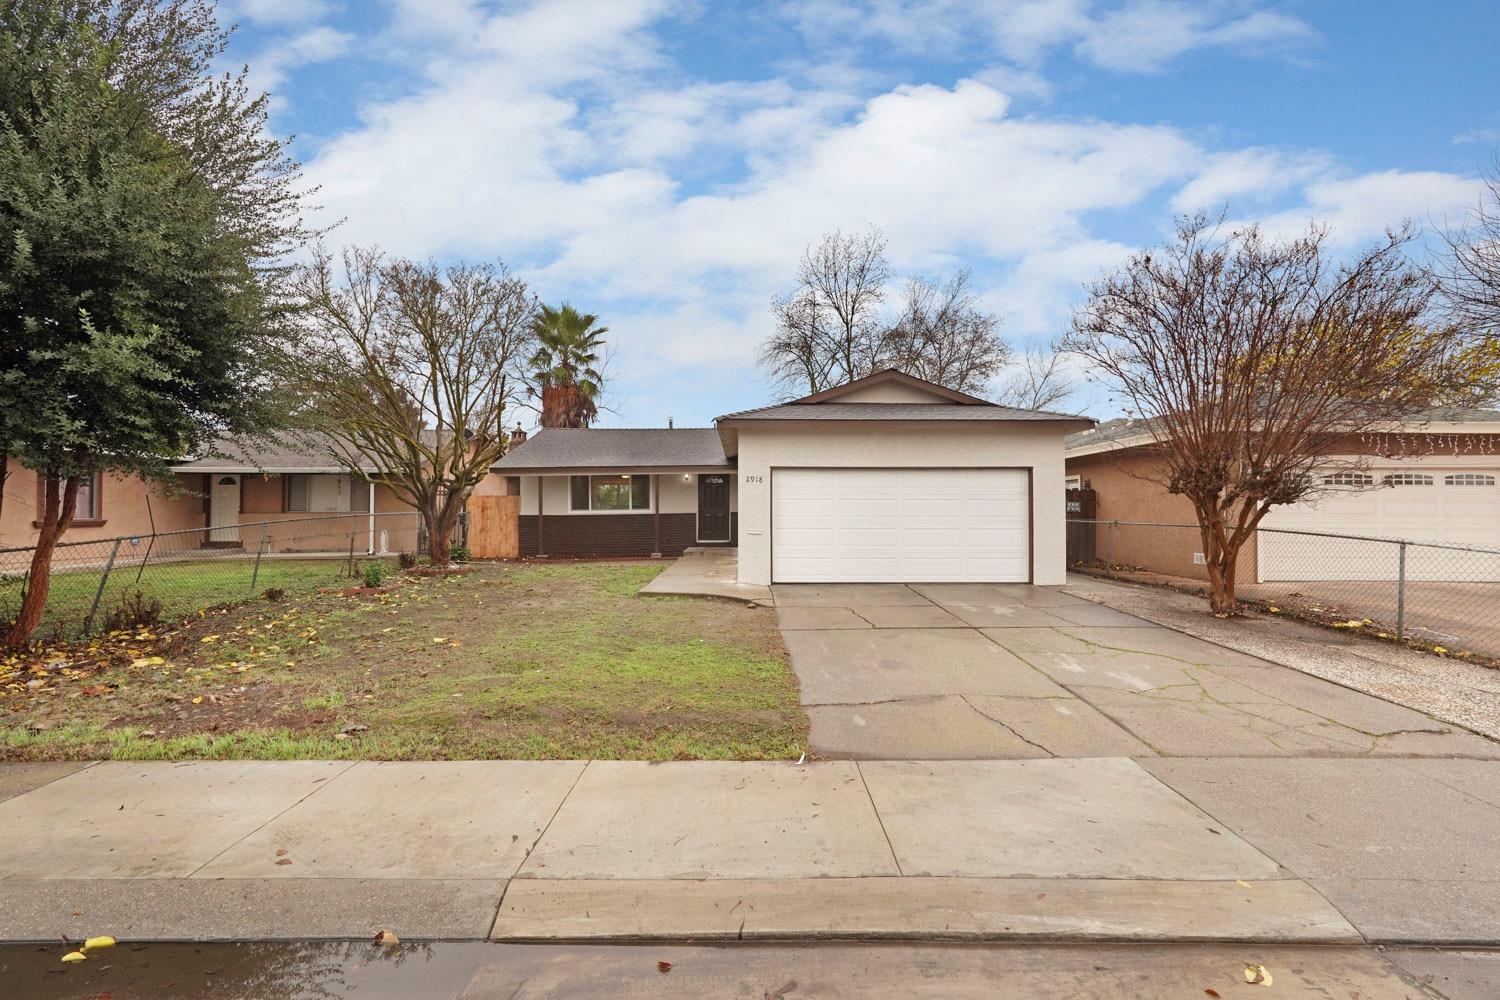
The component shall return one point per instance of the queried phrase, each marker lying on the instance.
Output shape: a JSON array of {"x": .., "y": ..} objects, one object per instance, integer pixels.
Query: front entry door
[
  {"x": 713, "y": 508},
  {"x": 224, "y": 509}
]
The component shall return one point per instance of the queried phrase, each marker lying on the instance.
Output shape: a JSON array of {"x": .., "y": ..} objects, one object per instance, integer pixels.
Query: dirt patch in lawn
[{"x": 511, "y": 661}]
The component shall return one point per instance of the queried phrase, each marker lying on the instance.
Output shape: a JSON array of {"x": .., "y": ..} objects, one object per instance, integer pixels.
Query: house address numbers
[{"x": 753, "y": 479}]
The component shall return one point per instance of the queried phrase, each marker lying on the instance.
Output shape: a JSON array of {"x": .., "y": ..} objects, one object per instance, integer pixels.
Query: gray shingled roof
[
  {"x": 895, "y": 411},
  {"x": 302, "y": 451},
  {"x": 1124, "y": 428},
  {"x": 617, "y": 448}
]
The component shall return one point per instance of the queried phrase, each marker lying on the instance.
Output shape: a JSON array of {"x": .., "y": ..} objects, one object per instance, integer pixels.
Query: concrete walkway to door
[{"x": 965, "y": 671}]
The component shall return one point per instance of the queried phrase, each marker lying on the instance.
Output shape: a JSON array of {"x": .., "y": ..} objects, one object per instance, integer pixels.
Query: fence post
[
  {"x": 265, "y": 529},
  {"x": 1401, "y": 592},
  {"x": 88, "y": 623},
  {"x": 351, "y": 551}
]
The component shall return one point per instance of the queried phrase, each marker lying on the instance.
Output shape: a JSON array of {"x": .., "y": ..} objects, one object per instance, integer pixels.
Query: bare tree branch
[
  {"x": 1252, "y": 360},
  {"x": 410, "y": 368},
  {"x": 1039, "y": 381}
]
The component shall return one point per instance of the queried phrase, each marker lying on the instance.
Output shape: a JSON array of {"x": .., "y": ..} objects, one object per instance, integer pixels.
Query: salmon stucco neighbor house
[
  {"x": 1434, "y": 477},
  {"x": 886, "y": 479},
  {"x": 240, "y": 483}
]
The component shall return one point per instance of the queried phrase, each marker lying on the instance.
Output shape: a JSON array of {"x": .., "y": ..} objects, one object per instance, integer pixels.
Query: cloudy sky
[{"x": 663, "y": 163}]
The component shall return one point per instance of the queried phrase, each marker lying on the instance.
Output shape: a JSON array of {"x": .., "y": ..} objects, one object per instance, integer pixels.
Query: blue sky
[{"x": 663, "y": 164}]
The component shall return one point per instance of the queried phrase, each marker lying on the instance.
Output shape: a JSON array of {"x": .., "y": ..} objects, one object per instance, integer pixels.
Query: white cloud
[
  {"x": 279, "y": 11},
  {"x": 1145, "y": 35},
  {"x": 269, "y": 69},
  {"x": 676, "y": 206},
  {"x": 1231, "y": 178},
  {"x": 1360, "y": 208},
  {"x": 1478, "y": 136},
  {"x": 1133, "y": 36}
]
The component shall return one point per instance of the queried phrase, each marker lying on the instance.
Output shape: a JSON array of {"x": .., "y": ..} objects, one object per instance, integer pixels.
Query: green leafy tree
[
  {"x": 565, "y": 370},
  {"x": 143, "y": 212}
]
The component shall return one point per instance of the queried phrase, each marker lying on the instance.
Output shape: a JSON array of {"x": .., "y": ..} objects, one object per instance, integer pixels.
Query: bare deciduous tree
[
  {"x": 1472, "y": 277},
  {"x": 1039, "y": 380},
  {"x": 829, "y": 330},
  {"x": 1252, "y": 358},
  {"x": 410, "y": 368},
  {"x": 943, "y": 336}
]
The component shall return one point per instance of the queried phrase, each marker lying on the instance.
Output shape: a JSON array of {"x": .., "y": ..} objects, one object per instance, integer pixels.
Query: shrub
[
  {"x": 459, "y": 553},
  {"x": 274, "y": 594},
  {"x": 408, "y": 560},
  {"x": 135, "y": 610},
  {"x": 374, "y": 573}
]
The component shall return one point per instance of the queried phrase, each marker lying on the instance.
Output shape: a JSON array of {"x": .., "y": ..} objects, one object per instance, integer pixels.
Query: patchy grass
[
  {"x": 181, "y": 587},
  {"x": 556, "y": 661}
]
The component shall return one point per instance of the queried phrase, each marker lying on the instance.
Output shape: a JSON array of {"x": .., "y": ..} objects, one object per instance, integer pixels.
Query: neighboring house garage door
[
  {"x": 1459, "y": 507},
  {"x": 900, "y": 525}
]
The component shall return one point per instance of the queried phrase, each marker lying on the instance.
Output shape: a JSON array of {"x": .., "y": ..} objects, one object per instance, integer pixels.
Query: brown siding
[{"x": 615, "y": 534}]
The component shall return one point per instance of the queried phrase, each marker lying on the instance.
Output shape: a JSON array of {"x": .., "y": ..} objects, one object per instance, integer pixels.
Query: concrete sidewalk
[{"x": 1098, "y": 849}]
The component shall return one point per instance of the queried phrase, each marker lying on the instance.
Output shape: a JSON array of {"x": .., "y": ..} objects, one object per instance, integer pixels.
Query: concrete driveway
[{"x": 967, "y": 671}]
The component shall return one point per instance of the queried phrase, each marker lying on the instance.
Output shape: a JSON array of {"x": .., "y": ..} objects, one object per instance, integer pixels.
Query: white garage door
[
  {"x": 900, "y": 525},
  {"x": 1444, "y": 506}
]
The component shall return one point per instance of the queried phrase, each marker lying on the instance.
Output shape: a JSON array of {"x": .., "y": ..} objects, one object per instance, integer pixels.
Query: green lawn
[
  {"x": 559, "y": 661},
  {"x": 182, "y": 587}
]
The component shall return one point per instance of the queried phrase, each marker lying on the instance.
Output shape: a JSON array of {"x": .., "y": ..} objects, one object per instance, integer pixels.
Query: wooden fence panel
[{"x": 494, "y": 527}]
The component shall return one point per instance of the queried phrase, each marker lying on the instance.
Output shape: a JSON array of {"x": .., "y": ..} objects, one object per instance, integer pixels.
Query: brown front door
[{"x": 713, "y": 508}]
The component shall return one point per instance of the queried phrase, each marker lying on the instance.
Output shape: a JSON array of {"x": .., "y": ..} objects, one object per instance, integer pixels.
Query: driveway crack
[
  {"x": 1008, "y": 728},
  {"x": 879, "y": 819}
]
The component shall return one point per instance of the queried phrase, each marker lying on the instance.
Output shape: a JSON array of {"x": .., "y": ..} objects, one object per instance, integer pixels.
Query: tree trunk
[
  {"x": 439, "y": 540},
  {"x": 1219, "y": 560},
  {"x": 57, "y": 514}
]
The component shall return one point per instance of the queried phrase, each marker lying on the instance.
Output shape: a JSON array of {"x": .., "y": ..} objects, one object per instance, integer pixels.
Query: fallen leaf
[
  {"x": 1258, "y": 975},
  {"x": 95, "y": 943},
  {"x": 149, "y": 661},
  {"x": 386, "y": 939},
  {"x": 663, "y": 967},
  {"x": 198, "y": 700},
  {"x": 282, "y": 852},
  {"x": 74, "y": 956},
  {"x": 1240, "y": 881},
  {"x": 1211, "y": 991},
  {"x": 284, "y": 861}
]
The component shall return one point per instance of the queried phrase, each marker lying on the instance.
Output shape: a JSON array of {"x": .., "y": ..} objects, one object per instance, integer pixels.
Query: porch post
[
  {"x": 541, "y": 521},
  {"x": 372, "y": 518},
  {"x": 656, "y": 511}
]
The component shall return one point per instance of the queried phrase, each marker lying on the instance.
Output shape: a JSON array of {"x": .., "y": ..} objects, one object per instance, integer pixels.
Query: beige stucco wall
[
  {"x": 675, "y": 494},
  {"x": 890, "y": 392},
  {"x": 894, "y": 445}
]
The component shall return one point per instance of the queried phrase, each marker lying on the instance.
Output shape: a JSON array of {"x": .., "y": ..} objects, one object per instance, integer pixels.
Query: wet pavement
[{"x": 477, "y": 971}]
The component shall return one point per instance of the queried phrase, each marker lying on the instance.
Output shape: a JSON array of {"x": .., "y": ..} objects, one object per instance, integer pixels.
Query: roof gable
[{"x": 897, "y": 386}]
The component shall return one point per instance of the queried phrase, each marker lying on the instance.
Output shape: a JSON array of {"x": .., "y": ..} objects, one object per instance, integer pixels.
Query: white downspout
[{"x": 372, "y": 518}]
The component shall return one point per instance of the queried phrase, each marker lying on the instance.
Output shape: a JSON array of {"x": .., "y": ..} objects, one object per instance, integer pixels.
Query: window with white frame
[
  {"x": 325, "y": 493},
  {"x": 609, "y": 494},
  {"x": 1408, "y": 479},
  {"x": 1349, "y": 479},
  {"x": 1469, "y": 479}
]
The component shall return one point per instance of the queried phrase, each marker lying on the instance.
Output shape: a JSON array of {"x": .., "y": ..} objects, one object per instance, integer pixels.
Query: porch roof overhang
[{"x": 618, "y": 470}]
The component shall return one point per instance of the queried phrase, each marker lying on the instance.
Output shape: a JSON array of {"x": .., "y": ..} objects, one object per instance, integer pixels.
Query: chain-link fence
[
  {"x": 97, "y": 581},
  {"x": 1435, "y": 593}
]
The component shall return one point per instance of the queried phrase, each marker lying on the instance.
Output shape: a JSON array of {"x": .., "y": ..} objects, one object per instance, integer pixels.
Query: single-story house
[
  {"x": 888, "y": 478},
  {"x": 239, "y": 483},
  {"x": 1434, "y": 478}
]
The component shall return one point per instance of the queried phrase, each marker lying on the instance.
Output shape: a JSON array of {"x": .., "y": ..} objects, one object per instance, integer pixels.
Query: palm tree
[{"x": 563, "y": 369}]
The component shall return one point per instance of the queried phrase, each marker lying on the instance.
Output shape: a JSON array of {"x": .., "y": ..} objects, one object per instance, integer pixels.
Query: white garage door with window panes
[
  {"x": 900, "y": 525},
  {"x": 1421, "y": 504}
]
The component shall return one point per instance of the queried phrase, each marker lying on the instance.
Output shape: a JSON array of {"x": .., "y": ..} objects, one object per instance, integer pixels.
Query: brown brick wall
[{"x": 614, "y": 534}]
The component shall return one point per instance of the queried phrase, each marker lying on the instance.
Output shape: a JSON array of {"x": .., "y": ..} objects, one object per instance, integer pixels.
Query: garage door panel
[
  {"x": 1439, "y": 513},
  {"x": 900, "y": 525}
]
